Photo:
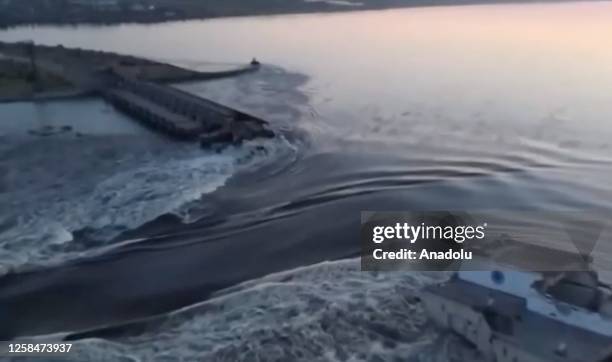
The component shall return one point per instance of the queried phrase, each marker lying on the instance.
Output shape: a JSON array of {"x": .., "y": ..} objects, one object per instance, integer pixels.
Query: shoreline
[
  {"x": 98, "y": 20},
  {"x": 48, "y": 96}
]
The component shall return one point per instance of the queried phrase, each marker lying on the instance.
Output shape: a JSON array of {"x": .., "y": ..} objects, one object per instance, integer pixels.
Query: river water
[{"x": 496, "y": 107}]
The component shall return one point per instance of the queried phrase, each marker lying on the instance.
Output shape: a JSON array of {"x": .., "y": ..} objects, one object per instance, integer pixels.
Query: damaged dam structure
[
  {"x": 182, "y": 115},
  {"x": 140, "y": 88}
]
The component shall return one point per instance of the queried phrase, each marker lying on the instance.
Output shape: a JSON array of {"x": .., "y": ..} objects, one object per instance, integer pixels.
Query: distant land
[{"x": 20, "y": 12}]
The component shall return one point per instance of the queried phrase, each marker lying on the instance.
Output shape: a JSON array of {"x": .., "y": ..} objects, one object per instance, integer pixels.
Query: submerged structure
[{"x": 515, "y": 316}]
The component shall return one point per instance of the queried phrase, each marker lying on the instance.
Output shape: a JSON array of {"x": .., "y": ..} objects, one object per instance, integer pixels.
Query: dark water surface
[{"x": 453, "y": 108}]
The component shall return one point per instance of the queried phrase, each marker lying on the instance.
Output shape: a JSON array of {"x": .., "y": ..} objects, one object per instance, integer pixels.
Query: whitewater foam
[
  {"x": 110, "y": 193},
  {"x": 326, "y": 312}
]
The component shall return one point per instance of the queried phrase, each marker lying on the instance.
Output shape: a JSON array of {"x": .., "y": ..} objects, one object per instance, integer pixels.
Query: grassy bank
[
  {"x": 19, "y": 80},
  {"x": 59, "y": 12}
]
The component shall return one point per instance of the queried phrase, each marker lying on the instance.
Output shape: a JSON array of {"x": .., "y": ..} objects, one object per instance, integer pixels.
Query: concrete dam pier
[{"x": 182, "y": 115}]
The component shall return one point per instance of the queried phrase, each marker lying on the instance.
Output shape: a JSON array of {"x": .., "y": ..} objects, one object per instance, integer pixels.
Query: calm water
[{"x": 475, "y": 107}]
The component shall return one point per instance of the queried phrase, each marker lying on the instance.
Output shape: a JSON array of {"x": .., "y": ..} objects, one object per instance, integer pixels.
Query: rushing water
[{"x": 475, "y": 107}]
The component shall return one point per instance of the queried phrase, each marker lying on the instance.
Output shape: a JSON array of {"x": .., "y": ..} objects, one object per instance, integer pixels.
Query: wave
[
  {"x": 54, "y": 225},
  {"x": 325, "y": 312}
]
